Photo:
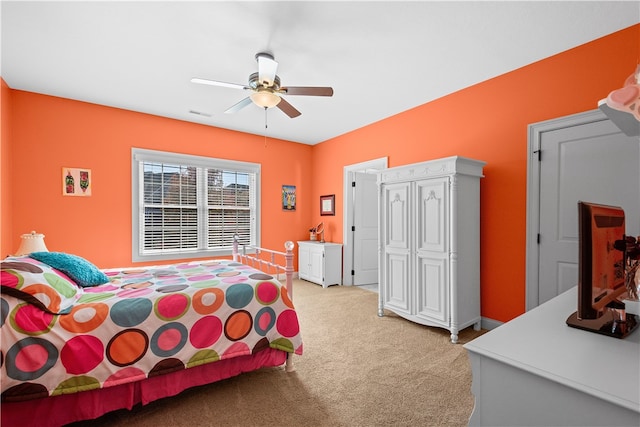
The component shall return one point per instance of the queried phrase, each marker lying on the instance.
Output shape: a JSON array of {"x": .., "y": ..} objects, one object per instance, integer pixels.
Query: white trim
[
  {"x": 138, "y": 155},
  {"x": 141, "y": 154},
  {"x": 347, "y": 206},
  {"x": 535, "y": 132},
  {"x": 490, "y": 324}
]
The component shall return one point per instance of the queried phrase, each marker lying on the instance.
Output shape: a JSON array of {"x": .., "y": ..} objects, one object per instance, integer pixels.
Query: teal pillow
[{"x": 79, "y": 269}]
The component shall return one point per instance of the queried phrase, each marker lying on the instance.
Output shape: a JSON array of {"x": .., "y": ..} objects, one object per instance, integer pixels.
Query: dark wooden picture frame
[{"x": 328, "y": 205}]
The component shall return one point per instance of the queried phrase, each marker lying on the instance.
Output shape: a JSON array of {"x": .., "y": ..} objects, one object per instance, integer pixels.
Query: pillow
[
  {"x": 38, "y": 284},
  {"x": 79, "y": 269}
]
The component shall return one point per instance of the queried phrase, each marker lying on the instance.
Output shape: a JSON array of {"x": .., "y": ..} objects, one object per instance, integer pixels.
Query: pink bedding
[{"x": 142, "y": 324}]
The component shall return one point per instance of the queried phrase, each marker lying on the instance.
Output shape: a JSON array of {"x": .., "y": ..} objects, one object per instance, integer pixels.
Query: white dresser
[
  {"x": 320, "y": 263},
  {"x": 537, "y": 371},
  {"x": 429, "y": 270}
]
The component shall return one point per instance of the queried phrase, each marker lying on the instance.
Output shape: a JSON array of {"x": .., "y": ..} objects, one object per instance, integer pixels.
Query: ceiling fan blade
[
  {"x": 217, "y": 83},
  {"x": 287, "y": 108},
  {"x": 267, "y": 68},
  {"x": 239, "y": 106},
  {"x": 308, "y": 90}
]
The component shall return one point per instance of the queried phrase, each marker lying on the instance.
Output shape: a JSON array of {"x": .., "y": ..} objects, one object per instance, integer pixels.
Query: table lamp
[{"x": 31, "y": 242}]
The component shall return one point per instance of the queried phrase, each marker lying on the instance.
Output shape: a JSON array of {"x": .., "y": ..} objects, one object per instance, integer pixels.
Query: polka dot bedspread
[{"x": 143, "y": 322}]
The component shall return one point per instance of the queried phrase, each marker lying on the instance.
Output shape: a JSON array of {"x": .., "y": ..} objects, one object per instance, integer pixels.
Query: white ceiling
[{"x": 381, "y": 58}]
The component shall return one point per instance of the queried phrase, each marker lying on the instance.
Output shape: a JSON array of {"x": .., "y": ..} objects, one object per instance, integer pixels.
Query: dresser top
[
  {"x": 541, "y": 343},
  {"x": 317, "y": 242}
]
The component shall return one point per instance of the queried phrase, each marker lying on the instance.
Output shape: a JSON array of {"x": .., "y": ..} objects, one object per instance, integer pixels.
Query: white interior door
[
  {"x": 589, "y": 160},
  {"x": 350, "y": 193},
  {"x": 365, "y": 231}
]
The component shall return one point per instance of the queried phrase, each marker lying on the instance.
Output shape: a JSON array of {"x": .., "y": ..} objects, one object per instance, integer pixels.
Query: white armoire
[{"x": 429, "y": 241}]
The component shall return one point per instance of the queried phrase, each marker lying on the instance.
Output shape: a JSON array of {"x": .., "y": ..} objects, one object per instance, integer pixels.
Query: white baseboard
[{"x": 489, "y": 324}]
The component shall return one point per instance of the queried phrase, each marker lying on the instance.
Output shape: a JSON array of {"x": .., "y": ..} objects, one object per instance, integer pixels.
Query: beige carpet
[{"x": 358, "y": 369}]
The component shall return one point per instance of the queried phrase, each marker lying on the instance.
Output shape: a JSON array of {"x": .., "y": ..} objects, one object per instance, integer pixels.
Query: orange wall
[
  {"x": 487, "y": 121},
  {"x": 51, "y": 133}
]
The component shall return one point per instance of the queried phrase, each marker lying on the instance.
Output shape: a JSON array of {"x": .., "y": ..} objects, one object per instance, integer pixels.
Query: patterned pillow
[
  {"x": 38, "y": 284},
  {"x": 79, "y": 269}
]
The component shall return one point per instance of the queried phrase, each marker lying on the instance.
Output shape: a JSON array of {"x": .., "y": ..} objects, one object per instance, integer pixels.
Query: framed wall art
[
  {"x": 328, "y": 205},
  {"x": 76, "y": 182},
  {"x": 288, "y": 197}
]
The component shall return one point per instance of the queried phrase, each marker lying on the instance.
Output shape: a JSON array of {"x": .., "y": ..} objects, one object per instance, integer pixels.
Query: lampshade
[
  {"x": 621, "y": 106},
  {"x": 265, "y": 98},
  {"x": 31, "y": 242},
  {"x": 627, "y": 122}
]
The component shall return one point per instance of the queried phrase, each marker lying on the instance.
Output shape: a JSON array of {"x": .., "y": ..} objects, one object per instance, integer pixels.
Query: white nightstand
[{"x": 320, "y": 263}]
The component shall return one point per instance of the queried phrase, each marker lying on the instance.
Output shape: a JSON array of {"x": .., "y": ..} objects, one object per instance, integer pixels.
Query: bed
[{"x": 74, "y": 350}]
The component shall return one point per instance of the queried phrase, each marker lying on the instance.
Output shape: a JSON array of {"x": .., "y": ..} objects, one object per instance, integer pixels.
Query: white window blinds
[{"x": 191, "y": 206}]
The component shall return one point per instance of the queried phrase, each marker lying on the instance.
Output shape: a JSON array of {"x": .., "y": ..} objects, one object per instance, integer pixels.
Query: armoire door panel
[
  {"x": 397, "y": 216},
  {"x": 433, "y": 289},
  {"x": 432, "y": 215},
  {"x": 397, "y": 281}
]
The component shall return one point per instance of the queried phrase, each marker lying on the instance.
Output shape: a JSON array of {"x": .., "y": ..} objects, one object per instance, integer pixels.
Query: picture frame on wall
[
  {"x": 328, "y": 205},
  {"x": 76, "y": 182},
  {"x": 288, "y": 197}
]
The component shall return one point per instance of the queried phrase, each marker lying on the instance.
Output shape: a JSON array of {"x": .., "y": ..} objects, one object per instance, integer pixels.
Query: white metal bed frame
[{"x": 269, "y": 266}]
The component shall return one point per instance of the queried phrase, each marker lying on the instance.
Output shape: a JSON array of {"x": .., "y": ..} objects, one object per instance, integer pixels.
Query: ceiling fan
[{"x": 265, "y": 88}]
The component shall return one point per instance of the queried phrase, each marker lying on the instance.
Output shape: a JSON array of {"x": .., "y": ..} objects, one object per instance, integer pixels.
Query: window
[{"x": 189, "y": 206}]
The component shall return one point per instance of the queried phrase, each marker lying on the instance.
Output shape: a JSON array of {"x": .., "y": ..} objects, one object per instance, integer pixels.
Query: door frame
[
  {"x": 347, "y": 219},
  {"x": 535, "y": 132}
]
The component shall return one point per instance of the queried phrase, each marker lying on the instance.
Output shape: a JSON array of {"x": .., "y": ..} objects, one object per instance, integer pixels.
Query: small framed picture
[
  {"x": 328, "y": 205},
  {"x": 288, "y": 197},
  {"x": 76, "y": 182}
]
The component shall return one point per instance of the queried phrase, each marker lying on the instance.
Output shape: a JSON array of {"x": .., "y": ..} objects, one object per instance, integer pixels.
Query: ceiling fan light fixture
[
  {"x": 265, "y": 89},
  {"x": 265, "y": 98}
]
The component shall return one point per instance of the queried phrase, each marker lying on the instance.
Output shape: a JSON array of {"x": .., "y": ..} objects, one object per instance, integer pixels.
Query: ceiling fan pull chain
[
  {"x": 265, "y": 127},
  {"x": 265, "y": 117}
]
